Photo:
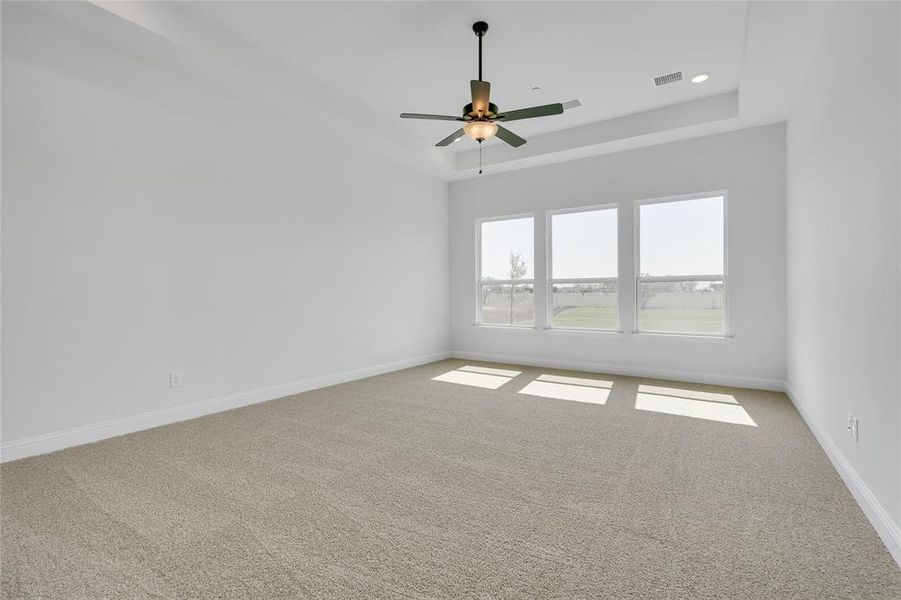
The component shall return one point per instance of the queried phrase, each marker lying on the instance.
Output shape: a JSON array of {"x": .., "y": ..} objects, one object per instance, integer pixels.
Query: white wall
[
  {"x": 843, "y": 253},
  {"x": 749, "y": 163},
  {"x": 151, "y": 221}
]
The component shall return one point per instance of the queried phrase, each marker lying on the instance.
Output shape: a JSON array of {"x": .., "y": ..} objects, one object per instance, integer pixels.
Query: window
[
  {"x": 681, "y": 279},
  {"x": 506, "y": 272},
  {"x": 583, "y": 265}
]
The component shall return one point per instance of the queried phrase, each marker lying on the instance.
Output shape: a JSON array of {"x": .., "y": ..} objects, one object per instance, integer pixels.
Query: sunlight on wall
[
  {"x": 474, "y": 376},
  {"x": 691, "y": 403},
  {"x": 577, "y": 389}
]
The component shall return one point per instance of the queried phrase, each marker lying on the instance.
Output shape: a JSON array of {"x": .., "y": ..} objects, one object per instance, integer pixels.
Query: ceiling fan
[{"x": 481, "y": 118}]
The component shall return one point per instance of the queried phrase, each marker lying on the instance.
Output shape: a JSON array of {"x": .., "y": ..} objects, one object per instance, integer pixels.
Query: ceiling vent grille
[{"x": 668, "y": 78}]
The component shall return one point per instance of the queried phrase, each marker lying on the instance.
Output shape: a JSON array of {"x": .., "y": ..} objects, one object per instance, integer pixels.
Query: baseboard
[
  {"x": 775, "y": 385},
  {"x": 76, "y": 436},
  {"x": 888, "y": 530}
]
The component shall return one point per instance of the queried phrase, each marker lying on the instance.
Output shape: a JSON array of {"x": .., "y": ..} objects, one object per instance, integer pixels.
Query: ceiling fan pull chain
[{"x": 480, "y": 157}]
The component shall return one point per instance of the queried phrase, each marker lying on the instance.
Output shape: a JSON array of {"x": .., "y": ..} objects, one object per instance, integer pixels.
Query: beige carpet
[{"x": 403, "y": 487}]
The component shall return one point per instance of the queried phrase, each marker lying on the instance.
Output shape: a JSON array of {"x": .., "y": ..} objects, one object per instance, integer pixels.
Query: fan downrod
[{"x": 479, "y": 28}]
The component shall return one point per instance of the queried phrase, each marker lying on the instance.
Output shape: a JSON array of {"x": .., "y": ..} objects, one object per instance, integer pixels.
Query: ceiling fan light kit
[
  {"x": 481, "y": 117},
  {"x": 480, "y": 130}
]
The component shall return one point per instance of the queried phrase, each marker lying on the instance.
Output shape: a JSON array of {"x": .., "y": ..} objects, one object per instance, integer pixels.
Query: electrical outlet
[{"x": 175, "y": 379}]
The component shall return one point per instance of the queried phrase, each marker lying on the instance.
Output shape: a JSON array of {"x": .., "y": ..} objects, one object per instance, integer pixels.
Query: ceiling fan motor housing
[{"x": 469, "y": 112}]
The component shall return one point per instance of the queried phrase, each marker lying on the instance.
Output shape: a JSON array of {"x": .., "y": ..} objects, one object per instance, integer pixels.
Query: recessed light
[
  {"x": 700, "y": 78},
  {"x": 535, "y": 88}
]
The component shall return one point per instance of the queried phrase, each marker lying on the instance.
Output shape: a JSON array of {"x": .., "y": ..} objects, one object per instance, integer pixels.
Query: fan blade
[
  {"x": 429, "y": 117},
  {"x": 509, "y": 137},
  {"x": 481, "y": 91},
  {"x": 535, "y": 111},
  {"x": 451, "y": 138}
]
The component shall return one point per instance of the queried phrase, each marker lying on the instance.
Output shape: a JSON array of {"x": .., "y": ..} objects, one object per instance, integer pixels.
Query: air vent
[{"x": 668, "y": 78}]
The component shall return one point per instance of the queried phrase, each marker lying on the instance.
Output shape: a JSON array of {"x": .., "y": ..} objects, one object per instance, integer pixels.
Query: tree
[
  {"x": 487, "y": 290},
  {"x": 518, "y": 269},
  {"x": 646, "y": 292}
]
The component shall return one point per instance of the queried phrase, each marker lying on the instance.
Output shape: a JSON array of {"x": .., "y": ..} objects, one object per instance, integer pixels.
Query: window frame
[
  {"x": 478, "y": 271},
  {"x": 550, "y": 280},
  {"x": 723, "y": 277}
]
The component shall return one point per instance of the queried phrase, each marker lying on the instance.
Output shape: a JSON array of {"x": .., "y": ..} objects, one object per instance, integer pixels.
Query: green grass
[
  {"x": 663, "y": 320},
  {"x": 587, "y": 317}
]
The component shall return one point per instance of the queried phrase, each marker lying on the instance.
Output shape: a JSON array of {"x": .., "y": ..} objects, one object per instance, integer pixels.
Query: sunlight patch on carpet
[
  {"x": 692, "y": 403},
  {"x": 575, "y": 389},
  {"x": 482, "y": 377}
]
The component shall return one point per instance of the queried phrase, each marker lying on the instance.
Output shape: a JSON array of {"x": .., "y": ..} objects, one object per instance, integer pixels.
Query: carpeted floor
[{"x": 400, "y": 486}]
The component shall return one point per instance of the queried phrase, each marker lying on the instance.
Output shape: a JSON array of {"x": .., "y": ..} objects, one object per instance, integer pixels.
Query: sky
[
  {"x": 499, "y": 238},
  {"x": 677, "y": 238},
  {"x": 682, "y": 238}
]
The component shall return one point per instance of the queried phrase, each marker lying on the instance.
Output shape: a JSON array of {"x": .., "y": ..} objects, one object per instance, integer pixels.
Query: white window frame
[
  {"x": 724, "y": 276},
  {"x": 478, "y": 271},
  {"x": 551, "y": 281}
]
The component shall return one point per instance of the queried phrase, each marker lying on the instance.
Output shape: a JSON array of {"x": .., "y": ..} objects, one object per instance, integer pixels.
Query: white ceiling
[
  {"x": 419, "y": 57},
  {"x": 362, "y": 63}
]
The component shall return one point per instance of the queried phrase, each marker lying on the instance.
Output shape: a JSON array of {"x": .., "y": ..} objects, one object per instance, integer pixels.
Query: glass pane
[
  {"x": 507, "y": 249},
  {"x": 508, "y": 304},
  {"x": 584, "y": 306},
  {"x": 681, "y": 307},
  {"x": 584, "y": 244},
  {"x": 682, "y": 238}
]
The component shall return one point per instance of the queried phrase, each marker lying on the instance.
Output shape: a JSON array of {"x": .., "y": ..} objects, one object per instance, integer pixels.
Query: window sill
[
  {"x": 609, "y": 332},
  {"x": 578, "y": 331},
  {"x": 683, "y": 336}
]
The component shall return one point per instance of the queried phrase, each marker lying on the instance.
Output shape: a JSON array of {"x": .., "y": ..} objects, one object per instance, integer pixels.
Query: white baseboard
[
  {"x": 888, "y": 530},
  {"x": 76, "y": 436},
  {"x": 775, "y": 385}
]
